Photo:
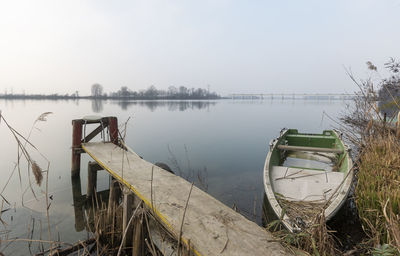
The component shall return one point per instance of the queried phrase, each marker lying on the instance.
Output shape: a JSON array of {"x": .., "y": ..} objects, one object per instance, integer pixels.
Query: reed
[
  {"x": 377, "y": 193},
  {"x": 313, "y": 239},
  {"x": 378, "y": 189}
]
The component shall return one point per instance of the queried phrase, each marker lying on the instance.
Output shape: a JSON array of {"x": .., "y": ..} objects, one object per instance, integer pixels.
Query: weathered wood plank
[
  {"x": 212, "y": 227},
  {"x": 310, "y": 149}
]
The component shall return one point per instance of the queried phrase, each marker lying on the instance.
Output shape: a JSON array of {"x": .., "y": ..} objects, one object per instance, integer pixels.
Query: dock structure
[
  {"x": 293, "y": 96},
  {"x": 200, "y": 222}
]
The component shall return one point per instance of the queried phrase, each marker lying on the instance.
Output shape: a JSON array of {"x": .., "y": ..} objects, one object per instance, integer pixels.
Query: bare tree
[
  {"x": 124, "y": 91},
  {"x": 97, "y": 90}
]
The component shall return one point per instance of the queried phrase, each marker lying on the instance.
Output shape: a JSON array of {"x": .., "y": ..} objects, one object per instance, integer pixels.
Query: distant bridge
[{"x": 304, "y": 96}]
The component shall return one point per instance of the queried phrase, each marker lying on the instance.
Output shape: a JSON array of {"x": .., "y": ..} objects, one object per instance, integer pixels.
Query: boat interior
[{"x": 307, "y": 167}]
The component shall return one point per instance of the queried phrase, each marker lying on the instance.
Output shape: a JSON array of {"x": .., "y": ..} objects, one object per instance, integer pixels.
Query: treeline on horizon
[{"x": 151, "y": 93}]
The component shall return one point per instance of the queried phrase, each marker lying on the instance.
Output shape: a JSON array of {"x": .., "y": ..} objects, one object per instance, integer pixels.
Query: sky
[{"x": 287, "y": 46}]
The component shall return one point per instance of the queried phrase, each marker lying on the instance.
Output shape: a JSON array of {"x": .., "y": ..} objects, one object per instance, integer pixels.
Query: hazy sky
[{"x": 52, "y": 46}]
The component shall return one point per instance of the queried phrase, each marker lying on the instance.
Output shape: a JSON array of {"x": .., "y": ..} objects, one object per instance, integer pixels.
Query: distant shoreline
[
  {"x": 73, "y": 97},
  {"x": 160, "y": 98}
]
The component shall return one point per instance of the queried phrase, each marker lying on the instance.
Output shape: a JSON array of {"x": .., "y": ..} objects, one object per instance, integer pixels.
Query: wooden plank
[
  {"x": 93, "y": 134},
  {"x": 310, "y": 149},
  {"x": 211, "y": 227}
]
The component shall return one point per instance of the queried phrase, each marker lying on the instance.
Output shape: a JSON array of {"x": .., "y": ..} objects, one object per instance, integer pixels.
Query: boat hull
[{"x": 304, "y": 184}]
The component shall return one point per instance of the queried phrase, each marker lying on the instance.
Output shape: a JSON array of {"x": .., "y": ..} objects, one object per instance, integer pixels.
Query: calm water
[{"x": 224, "y": 141}]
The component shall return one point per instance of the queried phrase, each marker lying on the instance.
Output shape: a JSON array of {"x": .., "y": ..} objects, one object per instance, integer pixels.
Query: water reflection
[
  {"x": 268, "y": 215},
  {"x": 84, "y": 207},
  {"x": 79, "y": 202},
  {"x": 97, "y": 106},
  {"x": 170, "y": 105}
]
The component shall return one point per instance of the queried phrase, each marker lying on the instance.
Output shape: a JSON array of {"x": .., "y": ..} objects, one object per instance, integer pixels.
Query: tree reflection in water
[{"x": 170, "y": 105}]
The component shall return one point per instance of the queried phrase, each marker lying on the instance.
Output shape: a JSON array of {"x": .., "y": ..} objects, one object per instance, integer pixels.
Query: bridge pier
[{"x": 305, "y": 96}]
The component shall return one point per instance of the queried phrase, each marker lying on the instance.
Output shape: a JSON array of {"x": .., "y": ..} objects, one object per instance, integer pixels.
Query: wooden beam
[
  {"x": 93, "y": 134},
  {"x": 310, "y": 149}
]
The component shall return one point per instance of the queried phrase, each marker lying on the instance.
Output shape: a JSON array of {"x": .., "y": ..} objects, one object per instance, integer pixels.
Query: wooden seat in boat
[{"x": 310, "y": 149}]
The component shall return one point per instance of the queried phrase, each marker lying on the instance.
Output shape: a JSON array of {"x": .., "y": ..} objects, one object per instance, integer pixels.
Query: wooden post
[
  {"x": 126, "y": 215},
  {"x": 138, "y": 238},
  {"x": 113, "y": 125},
  {"x": 76, "y": 147},
  {"x": 113, "y": 197},
  {"x": 78, "y": 202},
  {"x": 93, "y": 167}
]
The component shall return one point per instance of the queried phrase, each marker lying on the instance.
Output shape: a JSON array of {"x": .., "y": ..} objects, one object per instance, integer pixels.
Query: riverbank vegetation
[
  {"x": 377, "y": 190},
  {"x": 124, "y": 93},
  {"x": 372, "y": 127}
]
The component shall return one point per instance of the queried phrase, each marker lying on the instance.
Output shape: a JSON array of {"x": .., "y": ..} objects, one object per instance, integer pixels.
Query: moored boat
[{"x": 305, "y": 174}]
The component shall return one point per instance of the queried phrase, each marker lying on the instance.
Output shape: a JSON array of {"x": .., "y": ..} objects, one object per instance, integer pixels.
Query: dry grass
[
  {"x": 104, "y": 221},
  {"x": 378, "y": 189},
  {"x": 302, "y": 212},
  {"x": 25, "y": 147},
  {"x": 378, "y": 186},
  {"x": 314, "y": 237}
]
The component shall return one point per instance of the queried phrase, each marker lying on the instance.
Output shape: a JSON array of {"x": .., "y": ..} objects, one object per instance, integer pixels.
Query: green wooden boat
[{"x": 305, "y": 174}]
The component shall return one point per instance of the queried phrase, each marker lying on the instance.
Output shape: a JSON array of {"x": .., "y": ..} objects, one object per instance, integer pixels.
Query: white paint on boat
[{"x": 336, "y": 199}]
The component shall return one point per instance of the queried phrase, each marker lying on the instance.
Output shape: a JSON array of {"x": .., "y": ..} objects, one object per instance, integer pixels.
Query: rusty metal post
[
  {"x": 76, "y": 147},
  {"x": 113, "y": 125}
]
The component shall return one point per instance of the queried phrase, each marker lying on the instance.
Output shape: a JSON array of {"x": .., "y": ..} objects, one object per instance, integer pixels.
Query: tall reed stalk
[{"x": 378, "y": 189}]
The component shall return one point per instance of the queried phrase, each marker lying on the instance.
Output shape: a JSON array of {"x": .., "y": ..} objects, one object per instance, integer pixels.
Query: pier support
[
  {"x": 93, "y": 167},
  {"x": 140, "y": 234},
  {"x": 113, "y": 126},
  {"x": 76, "y": 147},
  {"x": 113, "y": 197},
  {"x": 126, "y": 215},
  {"x": 79, "y": 125},
  {"x": 78, "y": 202}
]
